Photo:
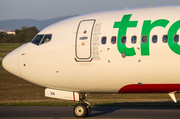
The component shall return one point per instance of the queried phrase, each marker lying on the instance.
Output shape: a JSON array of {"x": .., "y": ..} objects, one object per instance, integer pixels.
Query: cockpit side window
[
  {"x": 46, "y": 38},
  {"x": 41, "y": 39},
  {"x": 37, "y": 39}
]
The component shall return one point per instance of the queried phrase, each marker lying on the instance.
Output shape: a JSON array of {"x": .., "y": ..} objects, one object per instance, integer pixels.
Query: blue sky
[{"x": 47, "y": 9}]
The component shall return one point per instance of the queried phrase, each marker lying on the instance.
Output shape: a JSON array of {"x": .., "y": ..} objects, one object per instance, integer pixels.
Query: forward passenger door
[{"x": 83, "y": 45}]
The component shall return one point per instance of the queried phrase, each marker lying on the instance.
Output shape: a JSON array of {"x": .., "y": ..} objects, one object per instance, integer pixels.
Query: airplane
[{"x": 133, "y": 50}]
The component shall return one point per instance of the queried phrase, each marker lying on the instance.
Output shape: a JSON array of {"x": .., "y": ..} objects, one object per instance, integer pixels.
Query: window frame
[
  {"x": 112, "y": 39},
  {"x": 163, "y": 40},
  {"x": 40, "y": 42},
  {"x": 155, "y": 39},
  {"x": 45, "y": 37},
  {"x": 36, "y": 37},
  {"x": 123, "y": 41},
  {"x": 145, "y": 39},
  {"x": 102, "y": 40},
  {"x": 134, "y": 39},
  {"x": 174, "y": 38}
]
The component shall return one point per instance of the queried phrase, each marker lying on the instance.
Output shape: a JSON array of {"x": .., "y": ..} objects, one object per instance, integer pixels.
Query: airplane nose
[{"x": 11, "y": 63}]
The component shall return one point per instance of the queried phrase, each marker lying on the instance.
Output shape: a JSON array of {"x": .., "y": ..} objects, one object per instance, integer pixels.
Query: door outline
[{"x": 88, "y": 59}]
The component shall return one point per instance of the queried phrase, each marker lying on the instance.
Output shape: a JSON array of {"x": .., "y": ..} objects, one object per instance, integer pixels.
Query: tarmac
[{"x": 103, "y": 112}]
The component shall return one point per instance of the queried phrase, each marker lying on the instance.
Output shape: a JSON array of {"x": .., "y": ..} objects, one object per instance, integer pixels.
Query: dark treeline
[{"x": 24, "y": 35}]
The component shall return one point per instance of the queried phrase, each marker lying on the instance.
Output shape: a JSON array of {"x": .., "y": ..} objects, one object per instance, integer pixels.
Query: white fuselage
[{"x": 76, "y": 60}]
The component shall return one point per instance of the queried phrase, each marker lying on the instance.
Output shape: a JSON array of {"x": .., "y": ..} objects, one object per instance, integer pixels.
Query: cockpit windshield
[{"x": 41, "y": 39}]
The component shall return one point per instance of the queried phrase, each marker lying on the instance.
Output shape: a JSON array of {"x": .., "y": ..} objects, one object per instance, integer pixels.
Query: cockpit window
[
  {"x": 46, "y": 39},
  {"x": 41, "y": 39},
  {"x": 37, "y": 39}
]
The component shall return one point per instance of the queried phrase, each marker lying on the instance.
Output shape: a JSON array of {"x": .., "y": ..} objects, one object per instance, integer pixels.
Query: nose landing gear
[{"x": 82, "y": 109}]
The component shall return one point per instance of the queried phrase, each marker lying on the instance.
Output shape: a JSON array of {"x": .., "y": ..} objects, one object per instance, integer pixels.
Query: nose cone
[{"x": 11, "y": 63}]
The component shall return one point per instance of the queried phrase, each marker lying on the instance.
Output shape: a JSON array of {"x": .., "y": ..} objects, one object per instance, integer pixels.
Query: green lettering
[
  {"x": 172, "y": 31},
  {"x": 123, "y": 25},
  {"x": 146, "y": 29}
]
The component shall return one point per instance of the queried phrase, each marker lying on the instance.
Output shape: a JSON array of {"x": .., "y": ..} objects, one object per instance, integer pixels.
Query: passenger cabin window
[
  {"x": 154, "y": 39},
  {"x": 123, "y": 40},
  {"x": 144, "y": 39},
  {"x": 113, "y": 40},
  {"x": 103, "y": 40},
  {"x": 165, "y": 38},
  {"x": 133, "y": 39},
  {"x": 41, "y": 39},
  {"x": 176, "y": 38}
]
